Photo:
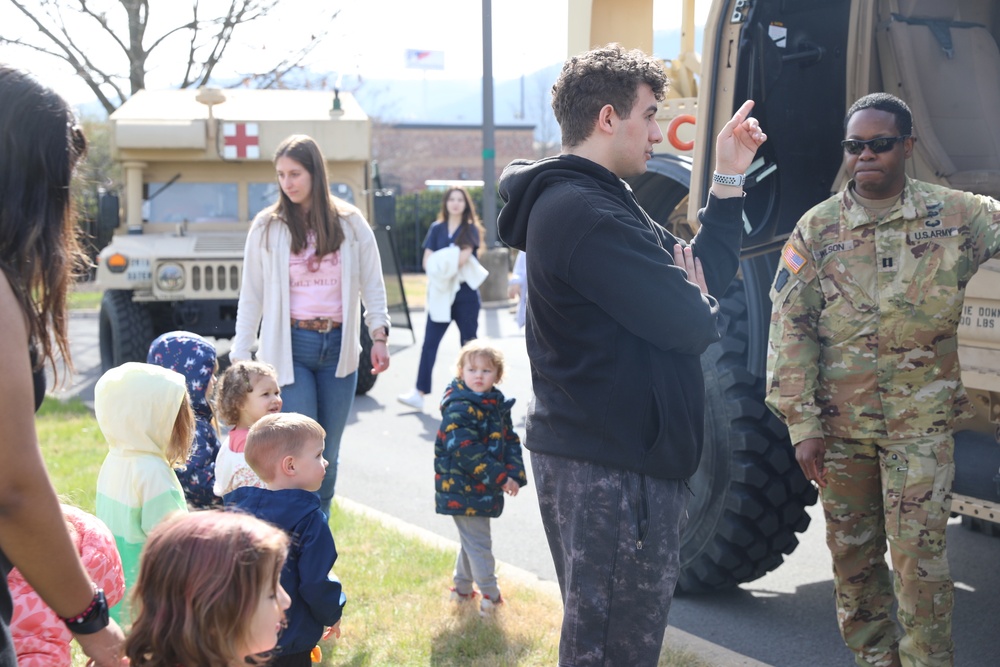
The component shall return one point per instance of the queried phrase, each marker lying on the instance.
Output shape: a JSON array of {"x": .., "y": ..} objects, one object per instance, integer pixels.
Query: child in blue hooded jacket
[
  {"x": 195, "y": 358},
  {"x": 477, "y": 458}
]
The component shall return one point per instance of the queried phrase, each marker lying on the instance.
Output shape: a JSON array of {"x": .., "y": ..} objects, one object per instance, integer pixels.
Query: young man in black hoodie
[{"x": 619, "y": 311}]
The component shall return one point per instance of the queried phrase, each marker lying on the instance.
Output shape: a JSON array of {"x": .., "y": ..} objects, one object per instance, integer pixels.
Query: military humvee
[
  {"x": 197, "y": 169},
  {"x": 804, "y": 62}
]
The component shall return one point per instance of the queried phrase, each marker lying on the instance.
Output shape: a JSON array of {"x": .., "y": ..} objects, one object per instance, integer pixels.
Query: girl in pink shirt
[{"x": 41, "y": 638}]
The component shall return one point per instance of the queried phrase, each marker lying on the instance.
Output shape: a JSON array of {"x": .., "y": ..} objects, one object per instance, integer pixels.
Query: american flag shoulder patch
[{"x": 792, "y": 258}]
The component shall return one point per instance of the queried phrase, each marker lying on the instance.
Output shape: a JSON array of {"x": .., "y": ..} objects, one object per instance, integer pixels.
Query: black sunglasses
[{"x": 880, "y": 145}]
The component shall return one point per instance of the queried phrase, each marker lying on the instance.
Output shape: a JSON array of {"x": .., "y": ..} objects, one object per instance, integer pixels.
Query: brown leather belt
[{"x": 319, "y": 324}]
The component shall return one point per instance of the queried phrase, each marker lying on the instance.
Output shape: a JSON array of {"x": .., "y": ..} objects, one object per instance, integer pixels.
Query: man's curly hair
[{"x": 607, "y": 75}]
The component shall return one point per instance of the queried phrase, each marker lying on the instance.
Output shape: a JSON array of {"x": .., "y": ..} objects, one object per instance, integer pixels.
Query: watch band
[
  {"x": 736, "y": 180},
  {"x": 93, "y": 619}
]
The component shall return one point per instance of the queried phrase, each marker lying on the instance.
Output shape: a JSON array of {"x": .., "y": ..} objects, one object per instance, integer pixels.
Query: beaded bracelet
[{"x": 93, "y": 619}]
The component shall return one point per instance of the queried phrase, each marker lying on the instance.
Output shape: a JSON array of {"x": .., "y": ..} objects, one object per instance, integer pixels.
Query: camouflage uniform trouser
[
  {"x": 615, "y": 541},
  {"x": 898, "y": 490}
]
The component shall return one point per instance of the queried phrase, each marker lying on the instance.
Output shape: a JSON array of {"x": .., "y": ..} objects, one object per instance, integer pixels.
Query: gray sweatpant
[
  {"x": 475, "y": 560},
  {"x": 615, "y": 540}
]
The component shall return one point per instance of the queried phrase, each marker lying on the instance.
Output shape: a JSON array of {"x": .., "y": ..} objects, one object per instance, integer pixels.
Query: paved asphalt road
[{"x": 785, "y": 619}]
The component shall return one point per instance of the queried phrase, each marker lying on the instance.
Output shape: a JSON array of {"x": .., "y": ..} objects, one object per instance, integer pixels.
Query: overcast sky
[{"x": 370, "y": 38}]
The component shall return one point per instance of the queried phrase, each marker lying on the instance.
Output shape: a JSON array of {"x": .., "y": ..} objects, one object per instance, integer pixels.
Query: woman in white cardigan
[{"x": 309, "y": 261}]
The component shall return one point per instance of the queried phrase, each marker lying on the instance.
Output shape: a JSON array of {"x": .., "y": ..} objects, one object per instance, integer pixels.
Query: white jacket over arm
[
  {"x": 264, "y": 292},
  {"x": 445, "y": 276}
]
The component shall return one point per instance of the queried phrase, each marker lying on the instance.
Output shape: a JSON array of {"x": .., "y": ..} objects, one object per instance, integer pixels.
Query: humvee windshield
[
  {"x": 263, "y": 195},
  {"x": 213, "y": 202},
  {"x": 191, "y": 202}
]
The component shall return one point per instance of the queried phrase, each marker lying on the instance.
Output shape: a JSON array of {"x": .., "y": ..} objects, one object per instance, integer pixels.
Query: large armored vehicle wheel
[
  {"x": 366, "y": 380},
  {"x": 749, "y": 493},
  {"x": 126, "y": 329}
]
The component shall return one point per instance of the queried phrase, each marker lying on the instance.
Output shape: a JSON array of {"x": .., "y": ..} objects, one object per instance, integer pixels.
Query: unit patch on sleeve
[
  {"x": 792, "y": 258},
  {"x": 781, "y": 280}
]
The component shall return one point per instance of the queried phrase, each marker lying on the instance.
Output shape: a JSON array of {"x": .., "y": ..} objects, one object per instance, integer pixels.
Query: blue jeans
[
  {"x": 318, "y": 393},
  {"x": 465, "y": 313}
]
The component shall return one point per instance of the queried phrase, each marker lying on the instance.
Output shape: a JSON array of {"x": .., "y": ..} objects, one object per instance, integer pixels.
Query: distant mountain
[{"x": 522, "y": 101}]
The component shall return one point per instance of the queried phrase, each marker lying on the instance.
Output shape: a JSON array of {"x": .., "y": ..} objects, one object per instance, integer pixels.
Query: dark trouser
[
  {"x": 465, "y": 313},
  {"x": 615, "y": 540},
  {"x": 303, "y": 659}
]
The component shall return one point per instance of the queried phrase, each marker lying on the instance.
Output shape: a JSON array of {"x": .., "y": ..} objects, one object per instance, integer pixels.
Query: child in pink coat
[{"x": 41, "y": 638}]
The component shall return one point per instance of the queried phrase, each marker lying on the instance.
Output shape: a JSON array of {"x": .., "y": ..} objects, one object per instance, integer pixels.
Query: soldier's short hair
[{"x": 888, "y": 103}]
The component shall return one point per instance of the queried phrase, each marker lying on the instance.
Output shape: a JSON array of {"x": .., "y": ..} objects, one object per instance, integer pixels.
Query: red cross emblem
[{"x": 241, "y": 140}]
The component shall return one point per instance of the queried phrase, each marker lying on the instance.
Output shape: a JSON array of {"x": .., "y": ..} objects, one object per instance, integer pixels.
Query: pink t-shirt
[{"x": 315, "y": 285}]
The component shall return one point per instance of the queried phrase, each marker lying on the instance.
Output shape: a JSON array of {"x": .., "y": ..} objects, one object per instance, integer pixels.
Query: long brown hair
[
  {"x": 199, "y": 582},
  {"x": 40, "y": 145},
  {"x": 323, "y": 219},
  {"x": 469, "y": 218},
  {"x": 182, "y": 435}
]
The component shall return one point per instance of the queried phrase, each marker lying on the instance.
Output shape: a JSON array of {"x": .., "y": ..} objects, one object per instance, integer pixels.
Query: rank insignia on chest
[{"x": 793, "y": 259}]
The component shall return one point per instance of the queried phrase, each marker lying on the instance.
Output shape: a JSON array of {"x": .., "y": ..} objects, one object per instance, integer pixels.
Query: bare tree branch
[{"x": 80, "y": 32}]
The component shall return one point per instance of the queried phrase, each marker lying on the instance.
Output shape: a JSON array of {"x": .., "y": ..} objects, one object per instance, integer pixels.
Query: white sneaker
[
  {"x": 414, "y": 399},
  {"x": 489, "y": 605}
]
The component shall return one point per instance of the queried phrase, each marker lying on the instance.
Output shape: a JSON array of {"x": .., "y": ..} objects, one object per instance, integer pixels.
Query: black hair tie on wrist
[{"x": 93, "y": 619}]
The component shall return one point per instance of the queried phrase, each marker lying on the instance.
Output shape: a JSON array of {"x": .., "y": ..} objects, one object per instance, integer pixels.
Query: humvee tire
[
  {"x": 126, "y": 329},
  {"x": 749, "y": 494}
]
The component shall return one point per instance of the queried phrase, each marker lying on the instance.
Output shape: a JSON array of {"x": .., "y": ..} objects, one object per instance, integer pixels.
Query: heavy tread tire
[
  {"x": 126, "y": 329},
  {"x": 749, "y": 494},
  {"x": 366, "y": 380}
]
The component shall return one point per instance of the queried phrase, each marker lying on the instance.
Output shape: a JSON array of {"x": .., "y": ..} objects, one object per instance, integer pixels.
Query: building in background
[{"x": 409, "y": 155}]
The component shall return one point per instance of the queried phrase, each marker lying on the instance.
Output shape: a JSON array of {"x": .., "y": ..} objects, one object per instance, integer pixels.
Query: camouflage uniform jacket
[
  {"x": 864, "y": 328},
  {"x": 475, "y": 451}
]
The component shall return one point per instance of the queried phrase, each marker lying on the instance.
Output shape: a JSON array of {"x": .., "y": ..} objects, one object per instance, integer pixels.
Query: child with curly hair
[{"x": 247, "y": 391}]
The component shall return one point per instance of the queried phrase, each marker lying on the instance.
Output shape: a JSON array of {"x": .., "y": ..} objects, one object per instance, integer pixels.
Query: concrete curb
[{"x": 711, "y": 653}]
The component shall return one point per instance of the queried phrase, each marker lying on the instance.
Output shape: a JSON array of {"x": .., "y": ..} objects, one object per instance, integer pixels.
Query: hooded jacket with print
[
  {"x": 476, "y": 450},
  {"x": 614, "y": 327},
  {"x": 136, "y": 406},
  {"x": 193, "y": 357}
]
